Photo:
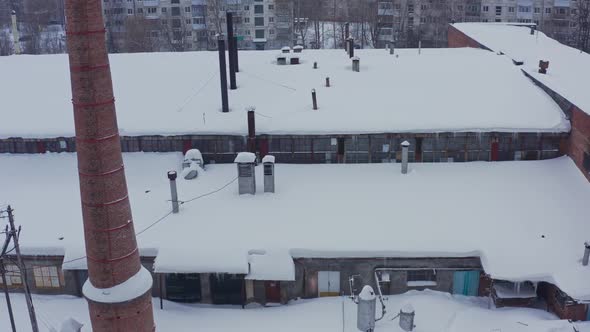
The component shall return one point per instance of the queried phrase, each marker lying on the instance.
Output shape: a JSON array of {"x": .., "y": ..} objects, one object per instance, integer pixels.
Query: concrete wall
[{"x": 306, "y": 273}]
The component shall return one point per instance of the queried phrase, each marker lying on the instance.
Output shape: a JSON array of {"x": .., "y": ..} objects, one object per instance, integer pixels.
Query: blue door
[
  {"x": 466, "y": 283},
  {"x": 588, "y": 312}
]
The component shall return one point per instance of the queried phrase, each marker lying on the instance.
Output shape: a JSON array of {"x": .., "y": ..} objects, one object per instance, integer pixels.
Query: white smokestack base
[
  {"x": 586, "y": 253},
  {"x": 405, "y": 149}
]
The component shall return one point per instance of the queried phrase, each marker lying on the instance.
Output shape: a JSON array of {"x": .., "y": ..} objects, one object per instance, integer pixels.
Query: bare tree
[
  {"x": 5, "y": 43},
  {"x": 583, "y": 25}
]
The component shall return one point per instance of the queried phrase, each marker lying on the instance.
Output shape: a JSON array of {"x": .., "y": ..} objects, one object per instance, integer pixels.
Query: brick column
[{"x": 111, "y": 247}]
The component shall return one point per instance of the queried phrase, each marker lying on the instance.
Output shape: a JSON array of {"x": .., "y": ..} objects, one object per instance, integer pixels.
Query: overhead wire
[{"x": 150, "y": 225}]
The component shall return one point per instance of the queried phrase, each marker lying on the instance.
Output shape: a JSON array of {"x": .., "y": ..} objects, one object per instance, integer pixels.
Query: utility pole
[
  {"x": 14, "y": 234},
  {"x": 6, "y": 294}
]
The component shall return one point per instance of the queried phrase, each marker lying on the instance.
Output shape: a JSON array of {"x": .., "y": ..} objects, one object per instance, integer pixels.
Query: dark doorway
[
  {"x": 273, "y": 291},
  {"x": 227, "y": 288},
  {"x": 341, "y": 150},
  {"x": 183, "y": 287}
]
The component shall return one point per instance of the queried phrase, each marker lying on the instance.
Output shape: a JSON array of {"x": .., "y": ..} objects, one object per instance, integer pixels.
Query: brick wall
[
  {"x": 579, "y": 140},
  {"x": 560, "y": 304},
  {"x": 457, "y": 38}
]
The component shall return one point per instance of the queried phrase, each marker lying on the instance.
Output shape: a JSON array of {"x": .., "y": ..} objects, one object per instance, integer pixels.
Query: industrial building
[{"x": 514, "y": 230}]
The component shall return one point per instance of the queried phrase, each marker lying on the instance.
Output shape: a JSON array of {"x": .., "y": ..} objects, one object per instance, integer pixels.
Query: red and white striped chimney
[{"x": 111, "y": 247}]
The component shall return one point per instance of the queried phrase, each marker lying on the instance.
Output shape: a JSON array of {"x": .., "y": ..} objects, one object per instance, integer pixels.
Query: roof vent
[
  {"x": 586, "y": 254},
  {"x": 543, "y": 66},
  {"x": 246, "y": 162},
  {"x": 406, "y": 317},
  {"x": 405, "y": 149},
  {"x": 268, "y": 163}
]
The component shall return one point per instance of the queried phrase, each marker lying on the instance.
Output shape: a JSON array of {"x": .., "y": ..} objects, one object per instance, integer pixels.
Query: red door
[
  {"x": 263, "y": 147},
  {"x": 186, "y": 145},
  {"x": 273, "y": 291},
  {"x": 41, "y": 147},
  {"x": 495, "y": 151}
]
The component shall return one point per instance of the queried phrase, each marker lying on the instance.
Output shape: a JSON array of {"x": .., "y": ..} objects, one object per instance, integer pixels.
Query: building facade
[
  {"x": 407, "y": 21},
  {"x": 188, "y": 25}
]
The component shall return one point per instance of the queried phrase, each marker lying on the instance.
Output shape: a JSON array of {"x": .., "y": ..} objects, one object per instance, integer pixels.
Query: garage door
[{"x": 329, "y": 283}]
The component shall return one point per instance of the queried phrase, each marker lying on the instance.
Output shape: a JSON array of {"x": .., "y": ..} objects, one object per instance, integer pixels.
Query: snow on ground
[
  {"x": 178, "y": 93},
  {"x": 568, "y": 67},
  {"x": 435, "y": 312},
  {"x": 534, "y": 214}
]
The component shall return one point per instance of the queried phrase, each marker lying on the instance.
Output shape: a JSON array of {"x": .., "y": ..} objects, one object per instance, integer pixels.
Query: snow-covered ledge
[{"x": 129, "y": 290}]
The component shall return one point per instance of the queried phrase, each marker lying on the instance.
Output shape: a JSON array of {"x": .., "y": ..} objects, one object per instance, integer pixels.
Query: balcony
[
  {"x": 151, "y": 3},
  {"x": 198, "y": 2}
]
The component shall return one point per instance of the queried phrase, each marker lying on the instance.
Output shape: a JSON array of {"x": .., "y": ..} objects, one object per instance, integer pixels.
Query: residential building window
[
  {"x": 524, "y": 9},
  {"x": 411, "y": 9},
  {"x": 246, "y": 8},
  {"x": 421, "y": 278},
  {"x": 175, "y": 1},
  {"x": 271, "y": 7},
  {"x": 246, "y": 20},
  {"x": 13, "y": 277},
  {"x": 271, "y": 31},
  {"x": 486, "y": 8},
  {"x": 164, "y": 10},
  {"x": 548, "y": 10},
  {"x": 198, "y": 20},
  {"x": 259, "y": 33},
  {"x": 175, "y": 11},
  {"x": 152, "y": 10},
  {"x": 129, "y": 11},
  {"x": 423, "y": 7},
  {"x": 410, "y": 22},
  {"x": 422, "y": 19},
  {"x": 247, "y": 31},
  {"x": 259, "y": 21},
  {"x": 187, "y": 9},
  {"x": 258, "y": 9},
  {"x": 385, "y": 5},
  {"x": 46, "y": 276},
  {"x": 498, "y": 20},
  {"x": 537, "y": 10},
  {"x": 562, "y": 11},
  {"x": 271, "y": 19},
  {"x": 140, "y": 10},
  {"x": 187, "y": 21},
  {"x": 511, "y": 9},
  {"x": 498, "y": 10}
]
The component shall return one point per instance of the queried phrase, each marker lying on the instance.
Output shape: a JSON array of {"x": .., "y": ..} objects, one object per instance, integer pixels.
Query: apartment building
[
  {"x": 184, "y": 25},
  {"x": 408, "y": 21},
  {"x": 258, "y": 24}
]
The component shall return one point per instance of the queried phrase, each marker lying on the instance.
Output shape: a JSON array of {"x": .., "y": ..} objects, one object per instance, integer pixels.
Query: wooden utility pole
[
  {"x": 4, "y": 283},
  {"x": 14, "y": 234},
  {"x": 6, "y": 294}
]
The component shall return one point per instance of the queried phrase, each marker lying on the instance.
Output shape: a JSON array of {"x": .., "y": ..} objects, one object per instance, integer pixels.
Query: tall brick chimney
[{"x": 111, "y": 247}]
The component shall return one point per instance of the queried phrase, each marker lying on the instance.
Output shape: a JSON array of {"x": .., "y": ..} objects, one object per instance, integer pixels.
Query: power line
[
  {"x": 181, "y": 107},
  {"x": 270, "y": 81},
  {"x": 155, "y": 222}
]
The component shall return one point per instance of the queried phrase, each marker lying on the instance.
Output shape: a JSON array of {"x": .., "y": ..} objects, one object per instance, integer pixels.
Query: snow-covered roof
[
  {"x": 245, "y": 157},
  {"x": 178, "y": 93},
  {"x": 527, "y": 220},
  {"x": 569, "y": 68}
]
